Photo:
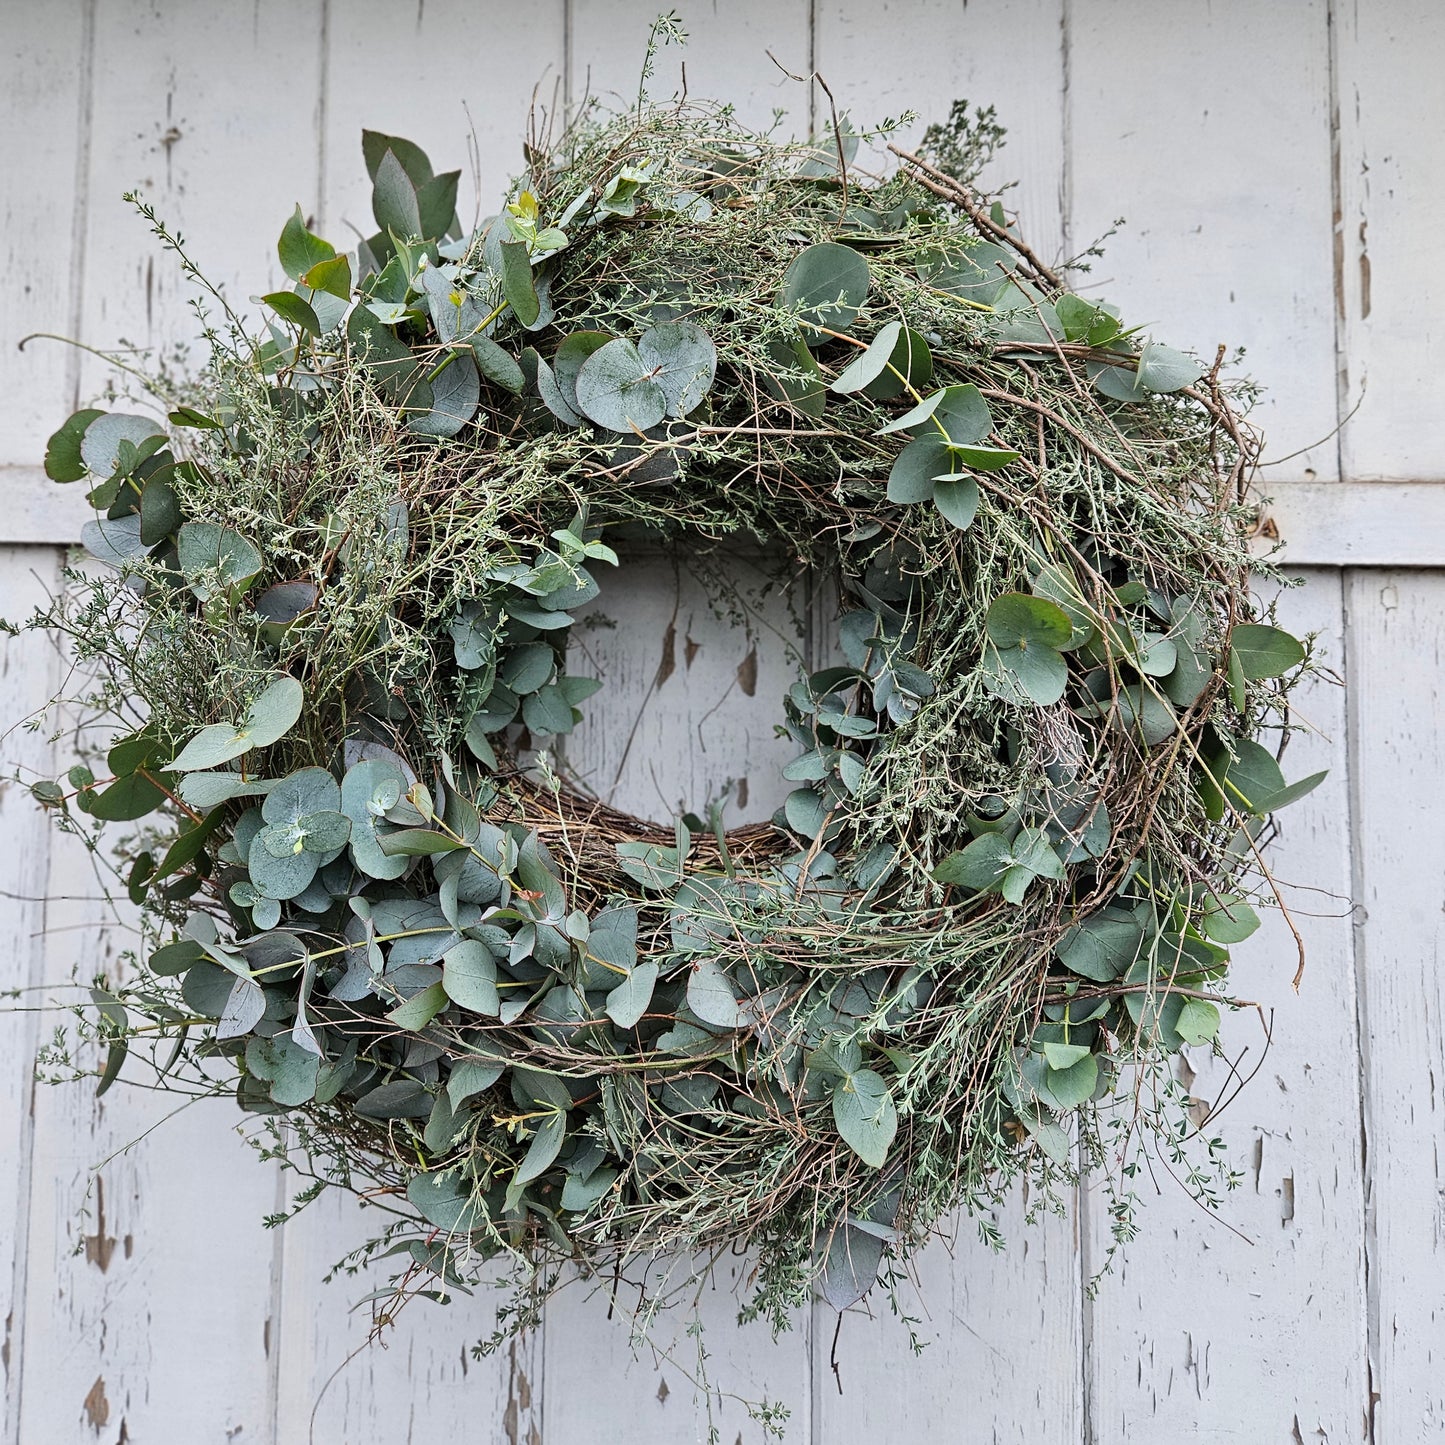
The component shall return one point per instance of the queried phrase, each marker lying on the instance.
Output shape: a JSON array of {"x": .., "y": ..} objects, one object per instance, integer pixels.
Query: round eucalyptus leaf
[
  {"x": 446, "y": 1200},
  {"x": 279, "y": 877},
  {"x": 302, "y": 793},
  {"x": 567, "y": 362},
  {"x": 455, "y": 392},
  {"x": 1163, "y": 369},
  {"x": 114, "y": 539},
  {"x": 368, "y": 790},
  {"x": 711, "y": 996},
  {"x": 826, "y": 286},
  {"x": 916, "y": 468},
  {"x": 616, "y": 390},
  {"x": 1016, "y": 620},
  {"x": 683, "y": 363},
  {"x": 547, "y": 711},
  {"x": 527, "y": 667},
  {"x": 209, "y": 552},
  {"x": 100, "y": 443},
  {"x": 274, "y": 713}
]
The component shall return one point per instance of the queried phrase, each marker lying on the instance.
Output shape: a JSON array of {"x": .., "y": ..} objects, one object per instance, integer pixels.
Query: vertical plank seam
[
  {"x": 1352, "y": 583},
  {"x": 812, "y": 68},
  {"x": 1083, "y": 1213},
  {"x": 1337, "y": 238},
  {"x": 323, "y": 116},
  {"x": 275, "y": 1324},
  {"x": 1066, "y": 125},
  {"x": 80, "y": 215},
  {"x": 34, "y": 979},
  {"x": 568, "y": 98}
]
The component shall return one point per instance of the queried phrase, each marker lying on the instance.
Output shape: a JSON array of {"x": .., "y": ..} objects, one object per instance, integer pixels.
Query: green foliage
[{"x": 1015, "y": 855}]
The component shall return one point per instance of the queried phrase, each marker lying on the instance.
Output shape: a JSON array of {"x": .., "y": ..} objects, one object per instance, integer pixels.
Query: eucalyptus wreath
[{"x": 1031, "y": 783}]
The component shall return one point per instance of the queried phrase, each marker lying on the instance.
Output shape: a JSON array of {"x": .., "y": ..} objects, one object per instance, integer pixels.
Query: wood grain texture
[
  {"x": 603, "y": 1385},
  {"x": 208, "y": 150},
  {"x": 1248, "y": 1323},
  {"x": 46, "y": 68},
  {"x": 435, "y": 73},
  {"x": 1390, "y": 113},
  {"x": 133, "y": 1200},
  {"x": 222, "y": 151},
  {"x": 725, "y": 58},
  {"x": 1001, "y": 1335},
  {"x": 418, "y": 1380},
  {"x": 1397, "y": 751},
  {"x": 29, "y": 676},
  {"x": 695, "y": 661},
  {"x": 1166, "y": 102},
  {"x": 922, "y": 55}
]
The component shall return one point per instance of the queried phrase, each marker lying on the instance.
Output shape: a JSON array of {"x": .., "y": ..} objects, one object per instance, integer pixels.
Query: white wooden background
[{"x": 1280, "y": 166}]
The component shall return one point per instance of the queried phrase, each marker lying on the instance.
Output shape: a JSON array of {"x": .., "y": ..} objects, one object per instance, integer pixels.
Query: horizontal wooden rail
[{"x": 1321, "y": 524}]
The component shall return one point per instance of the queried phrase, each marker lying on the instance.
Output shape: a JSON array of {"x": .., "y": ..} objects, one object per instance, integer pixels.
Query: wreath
[{"x": 1029, "y": 795}]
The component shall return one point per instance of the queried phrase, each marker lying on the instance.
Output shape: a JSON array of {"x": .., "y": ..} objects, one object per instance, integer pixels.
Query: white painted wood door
[{"x": 1279, "y": 169}]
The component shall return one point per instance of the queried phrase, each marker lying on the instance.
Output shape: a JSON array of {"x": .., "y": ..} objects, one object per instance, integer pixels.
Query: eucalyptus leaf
[
  {"x": 517, "y": 283},
  {"x": 865, "y": 1115},
  {"x": 469, "y": 975},
  {"x": 615, "y": 389},
  {"x": 269, "y": 718},
  {"x": 1264, "y": 652},
  {"x": 1025, "y": 634},
  {"x": 101, "y": 439},
  {"x": 826, "y": 286},
  {"x": 711, "y": 996},
  {"x": 627, "y": 1003},
  {"x": 682, "y": 361}
]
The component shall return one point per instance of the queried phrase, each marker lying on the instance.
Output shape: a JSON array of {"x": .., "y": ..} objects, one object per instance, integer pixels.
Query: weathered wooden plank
[
  {"x": 688, "y": 708},
  {"x": 29, "y": 675},
  {"x": 1164, "y": 102},
  {"x": 602, "y": 1386},
  {"x": 222, "y": 150},
  {"x": 148, "y": 1279},
  {"x": 198, "y": 139},
  {"x": 418, "y": 1380},
  {"x": 725, "y": 58},
  {"x": 922, "y": 55},
  {"x": 1321, "y": 524},
  {"x": 1390, "y": 209},
  {"x": 434, "y": 73},
  {"x": 1356, "y": 524},
  {"x": 46, "y": 69},
  {"x": 1008, "y": 1324},
  {"x": 1398, "y": 754},
  {"x": 1001, "y": 1343},
  {"x": 1248, "y": 1324},
  {"x": 691, "y": 698}
]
